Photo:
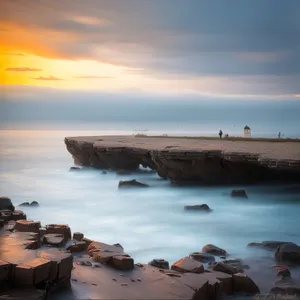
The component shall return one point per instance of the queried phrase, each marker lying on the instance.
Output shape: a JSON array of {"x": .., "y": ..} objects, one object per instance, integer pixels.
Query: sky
[{"x": 216, "y": 48}]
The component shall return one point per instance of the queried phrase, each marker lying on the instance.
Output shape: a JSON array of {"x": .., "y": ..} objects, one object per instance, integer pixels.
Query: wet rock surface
[
  {"x": 200, "y": 207},
  {"x": 131, "y": 183},
  {"x": 203, "y": 257},
  {"x": 270, "y": 245},
  {"x": 214, "y": 250},
  {"x": 288, "y": 252},
  {"x": 159, "y": 263}
]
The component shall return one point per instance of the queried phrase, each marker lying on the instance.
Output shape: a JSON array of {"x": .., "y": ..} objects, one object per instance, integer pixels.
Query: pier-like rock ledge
[{"x": 203, "y": 160}]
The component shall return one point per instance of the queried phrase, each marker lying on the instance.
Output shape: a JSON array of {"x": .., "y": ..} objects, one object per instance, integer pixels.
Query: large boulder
[
  {"x": 6, "y": 204},
  {"x": 239, "y": 194},
  {"x": 288, "y": 252},
  {"x": 244, "y": 284},
  {"x": 226, "y": 268},
  {"x": 200, "y": 207},
  {"x": 214, "y": 250},
  {"x": 57, "y": 229},
  {"x": 131, "y": 183},
  {"x": 28, "y": 226},
  {"x": 188, "y": 265}
]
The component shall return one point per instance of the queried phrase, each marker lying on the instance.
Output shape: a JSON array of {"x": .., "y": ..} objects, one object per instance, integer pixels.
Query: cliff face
[{"x": 188, "y": 161}]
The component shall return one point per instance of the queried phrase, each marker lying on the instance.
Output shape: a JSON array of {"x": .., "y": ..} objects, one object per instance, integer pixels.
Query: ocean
[{"x": 148, "y": 223}]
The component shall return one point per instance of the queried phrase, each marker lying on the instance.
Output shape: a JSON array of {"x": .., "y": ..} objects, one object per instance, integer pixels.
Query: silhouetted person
[
  {"x": 220, "y": 133},
  {"x": 279, "y": 135}
]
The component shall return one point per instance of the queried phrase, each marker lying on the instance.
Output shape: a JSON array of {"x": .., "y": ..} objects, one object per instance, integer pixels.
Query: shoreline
[
  {"x": 182, "y": 159},
  {"x": 49, "y": 258}
]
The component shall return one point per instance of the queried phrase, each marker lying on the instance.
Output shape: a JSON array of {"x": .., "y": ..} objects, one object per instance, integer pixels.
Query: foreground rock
[
  {"x": 201, "y": 207},
  {"x": 288, "y": 252},
  {"x": 238, "y": 194},
  {"x": 203, "y": 257},
  {"x": 6, "y": 204},
  {"x": 214, "y": 250},
  {"x": 131, "y": 183},
  {"x": 188, "y": 265}
]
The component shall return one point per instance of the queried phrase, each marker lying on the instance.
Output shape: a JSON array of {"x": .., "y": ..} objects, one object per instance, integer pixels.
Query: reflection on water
[{"x": 150, "y": 222}]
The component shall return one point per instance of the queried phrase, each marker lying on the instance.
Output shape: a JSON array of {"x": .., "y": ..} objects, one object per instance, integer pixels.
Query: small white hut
[{"x": 247, "y": 131}]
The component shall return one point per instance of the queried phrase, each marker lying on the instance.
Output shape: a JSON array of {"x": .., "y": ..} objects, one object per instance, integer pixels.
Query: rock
[
  {"x": 32, "y": 272},
  {"x": 118, "y": 245},
  {"x": 122, "y": 262},
  {"x": 5, "y": 270},
  {"x": 104, "y": 172},
  {"x": 201, "y": 207},
  {"x": 288, "y": 252},
  {"x": 78, "y": 236},
  {"x": 25, "y": 204},
  {"x": 159, "y": 263},
  {"x": 243, "y": 283},
  {"x": 131, "y": 183},
  {"x": 270, "y": 245},
  {"x": 6, "y": 204},
  {"x": 59, "y": 229},
  {"x": 284, "y": 273},
  {"x": 21, "y": 294},
  {"x": 61, "y": 263},
  {"x": 34, "y": 203},
  {"x": 202, "y": 257},
  {"x": 74, "y": 169},
  {"x": 285, "y": 290},
  {"x": 53, "y": 239},
  {"x": 123, "y": 172},
  {"x": 239, "y": 194},
  {"x": 225, "y": 268},
  {"x": 214, "y": 250},
  {"x": 77, "y": 246},
  {"x": 28, "y": 226},
  {"x": 188, "y": 265}
]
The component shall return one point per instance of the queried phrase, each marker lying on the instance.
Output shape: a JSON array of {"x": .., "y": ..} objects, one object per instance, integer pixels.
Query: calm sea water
[{"x": 149, "y": 223}]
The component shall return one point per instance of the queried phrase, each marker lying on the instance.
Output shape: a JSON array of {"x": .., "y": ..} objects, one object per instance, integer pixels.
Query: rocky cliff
[{"x": 185, "y": 159}]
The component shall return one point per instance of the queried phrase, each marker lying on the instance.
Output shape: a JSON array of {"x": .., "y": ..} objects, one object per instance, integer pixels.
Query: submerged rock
[
  {"x": 214, "y": 250},
  {"x": 74, "y": 169},
  {"x": 288, "y": 252},
  {"x": 239, "y": 194},
  {"x": 270, "y": 245},
  {"x": 227, "y": 268},
  {"x": 131, "y": 183},
  {"x": 200, "y": 207},
  {"x": 6, "y": 204},
  {"x": 159, "y": 263},
  {"x": 202, "y": 257}
]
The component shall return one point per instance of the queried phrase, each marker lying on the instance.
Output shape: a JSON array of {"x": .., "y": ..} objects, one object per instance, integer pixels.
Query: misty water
[{"x": 148, "y": 223}]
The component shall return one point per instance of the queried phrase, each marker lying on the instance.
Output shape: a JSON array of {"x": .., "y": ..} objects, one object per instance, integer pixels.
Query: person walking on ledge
[{"x": 220, "y": 133}]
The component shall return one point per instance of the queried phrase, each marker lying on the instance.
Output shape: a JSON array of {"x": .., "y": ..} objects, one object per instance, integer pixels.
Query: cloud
[
  {"x": 92, "y": 77},
  {"x": 23, "y": 69},
  {"x": 202, "y": 38},
  {"x": 47, "y": 78}
]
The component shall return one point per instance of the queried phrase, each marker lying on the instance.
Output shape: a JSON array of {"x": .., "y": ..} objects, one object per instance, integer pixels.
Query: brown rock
[
  {"x": 239, "y": 194},
  {"x": 226, "y": 268},
  {"x": 6, "y": 204},
  {"x": 202, "y": 257},
  {"x": 243, "y": 283},
  {"x": 214, "y": 250},
  {"x": 18, "y": 215},
  {"x": 122, "y": 262},
  {"x": 32, "y": 272},
  {"x": 5, "y": 270},
  {"x": 159, "y": 263},
  {"x": 77, "y": 246},
  {"x": 288, "y": 252},
  {"x": 188, "y": 264},
  {"x": 78, "y": 236},
  {"x": 59, "y": 229},
  {"x": 28, "y": 226},
  {"x": 53, "y": 239},
  {"x": 61, "y": 263}
]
